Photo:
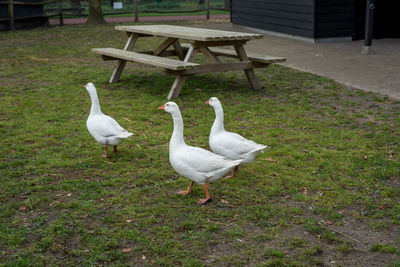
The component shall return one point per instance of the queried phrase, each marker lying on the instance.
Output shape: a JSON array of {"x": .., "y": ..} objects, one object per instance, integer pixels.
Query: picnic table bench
[{"x": 205, "y": 41}]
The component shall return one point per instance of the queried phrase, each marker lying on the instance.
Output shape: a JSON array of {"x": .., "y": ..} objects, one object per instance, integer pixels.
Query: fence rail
[{"x": 79, "y": 11}]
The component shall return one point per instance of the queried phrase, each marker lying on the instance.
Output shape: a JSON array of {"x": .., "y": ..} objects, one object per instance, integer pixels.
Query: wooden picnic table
[{"x": 205, "y": 41}]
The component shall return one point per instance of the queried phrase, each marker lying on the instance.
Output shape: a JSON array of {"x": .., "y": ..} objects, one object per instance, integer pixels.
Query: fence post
[
  {"x": 208, "y": 9},
  {"x": 60, "y": 15},
  {"x": 11, "y": 15},
  {"x": 136, "y": 10}
]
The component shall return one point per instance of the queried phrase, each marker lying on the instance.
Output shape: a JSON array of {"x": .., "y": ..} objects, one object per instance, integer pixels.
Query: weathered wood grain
[
  {"x": 157, "y": 61},
  {"x": 189, "y": 33},
  {"x": 232, "y": 53}
]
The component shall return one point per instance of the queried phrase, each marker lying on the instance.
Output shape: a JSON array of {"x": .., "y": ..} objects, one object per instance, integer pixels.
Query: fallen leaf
[
  {"x": 226, "y": 202},
  {"x": 69, "y": 194},
  {"x": 22, "y": 208},
  {"x": 128, "y": 221},
  {"x": 329, "y": 222},
  {"x": 304, "y": 189},
  {"x": 126, "y": 250},
  {"x": 143, "y": 257},
  {"x": 365, "y": 157},
  {"x": 54, "y": 203},
  {"x": 87, "y": 180}
]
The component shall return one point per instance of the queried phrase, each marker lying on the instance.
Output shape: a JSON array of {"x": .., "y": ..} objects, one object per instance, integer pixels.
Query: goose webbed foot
[
  {"x": 234, "y": 170},
  {"x": 106, "y": 153},
  {"x": 203, "y": 201},
  {"x": 187, "y": 191}
]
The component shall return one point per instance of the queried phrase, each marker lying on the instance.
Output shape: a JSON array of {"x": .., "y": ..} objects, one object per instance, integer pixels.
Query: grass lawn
[{"x": 326, "y": 192}]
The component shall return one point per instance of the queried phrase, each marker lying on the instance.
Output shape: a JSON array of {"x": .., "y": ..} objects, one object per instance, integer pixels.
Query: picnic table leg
[
  {"x": 209, "y": 55},
  {"x": 121, "y": 63},
  {"x": 179, "y": 50},
  {"x": 251, "y": 76},
  {"x": 180, "y": 79}
]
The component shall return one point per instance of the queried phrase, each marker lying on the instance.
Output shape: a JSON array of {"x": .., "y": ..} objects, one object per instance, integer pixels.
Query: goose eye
[{"x": 167, "y": 105}]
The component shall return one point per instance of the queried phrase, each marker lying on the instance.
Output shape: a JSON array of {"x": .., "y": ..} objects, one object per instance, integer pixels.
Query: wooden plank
[
  {"x": 189, "y": 33},
  {"x": 231, "y": 53},
  {"x": 219, "y": 67},
  {"x": 251, "y": 76},
  {"x": 209, "y": 55},
  {"x": 121, "y": 63},
  {"x": 179, "y": 50},
  {"x": 167, "y": 43},
  {"x": 217, "y": 43},
  {"x": 166, "y": 53},
  {"x": 180, "y": 79},
  {"x": 157, "y": 61}
]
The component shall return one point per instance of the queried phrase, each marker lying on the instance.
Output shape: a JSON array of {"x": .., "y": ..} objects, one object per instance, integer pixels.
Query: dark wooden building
[
  {"x": 25, "y": 15},
  {"x": 318, "y": 20}
]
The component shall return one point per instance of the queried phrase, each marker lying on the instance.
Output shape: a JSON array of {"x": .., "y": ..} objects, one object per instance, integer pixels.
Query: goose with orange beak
[
  {"x": 104, "y": 129},
  {"x": 228, "y": 144},
  {"x": 199, "y": 165}
]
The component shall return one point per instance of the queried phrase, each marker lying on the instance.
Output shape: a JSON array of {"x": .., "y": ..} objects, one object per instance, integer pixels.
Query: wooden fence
[{"x": 11, "y": 18}]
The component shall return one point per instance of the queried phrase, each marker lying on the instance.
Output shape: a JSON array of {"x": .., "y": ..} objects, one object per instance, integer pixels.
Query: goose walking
[
  {"x": 197, "y": 164},
  {"x": 104, "y": 129},
  {"x": 228, "y": 144}
]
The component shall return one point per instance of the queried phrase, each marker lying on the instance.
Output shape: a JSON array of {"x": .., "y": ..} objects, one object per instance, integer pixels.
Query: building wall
[
  {"x": 285, "y": 16},
  {"x": 334, "y": 18}
]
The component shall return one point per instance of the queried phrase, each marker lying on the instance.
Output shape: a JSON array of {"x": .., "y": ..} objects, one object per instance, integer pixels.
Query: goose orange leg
[
  {"x": 203, "y": 201},
  {"x": 234, "y": 170},
  {"x": 106, "y": 154},
  {"x": 188, "y": 190}
]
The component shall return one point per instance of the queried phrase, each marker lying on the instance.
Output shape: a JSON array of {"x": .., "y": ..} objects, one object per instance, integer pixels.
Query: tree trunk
[{"x": 95, "y": 13}]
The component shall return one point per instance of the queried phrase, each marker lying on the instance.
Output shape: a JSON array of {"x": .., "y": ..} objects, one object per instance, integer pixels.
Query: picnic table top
[{"x": 189, "y": 33}]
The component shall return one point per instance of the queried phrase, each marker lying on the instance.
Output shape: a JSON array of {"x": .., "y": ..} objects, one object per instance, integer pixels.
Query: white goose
[
  {"x": 104, "y": 129},
  {"x": 197, "y": 164},
  {"x": 228, "y": 144}
]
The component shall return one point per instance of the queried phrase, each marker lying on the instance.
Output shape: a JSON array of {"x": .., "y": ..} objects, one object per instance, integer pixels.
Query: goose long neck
[
  {"x": 218, "y": 124},
  {"x": 95, "y": 109},
  {"x": 177, "y": 134}
]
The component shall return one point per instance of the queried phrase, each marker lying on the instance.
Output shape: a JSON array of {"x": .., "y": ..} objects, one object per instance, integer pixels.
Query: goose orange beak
[
  {"x": 208, "y": 102},
  {"x": 162, "y": 107}
]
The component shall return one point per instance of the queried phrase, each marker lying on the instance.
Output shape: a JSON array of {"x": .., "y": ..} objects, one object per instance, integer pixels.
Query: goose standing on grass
[
  {"x": 197, "y": 164},
  {"x": 104, "y": 129},
  {"x": 228, "y": 144}
]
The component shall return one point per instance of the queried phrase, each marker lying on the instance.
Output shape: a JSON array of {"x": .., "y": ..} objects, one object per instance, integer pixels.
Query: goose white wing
[
  {"x": 233, "y": 143},
  {"x": 104, "y": 126},
  {"x": 203, "y": 160}
]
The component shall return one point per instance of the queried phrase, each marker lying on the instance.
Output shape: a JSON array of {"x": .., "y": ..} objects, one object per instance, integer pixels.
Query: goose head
[
  {"x": 170, "y": 107},
  {"x": 214, "y": 102},
  {"x": 90, "y": 87}
]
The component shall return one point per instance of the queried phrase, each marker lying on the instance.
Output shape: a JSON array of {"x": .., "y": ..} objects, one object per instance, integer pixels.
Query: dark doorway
[{"x": 386, "y": 20}]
